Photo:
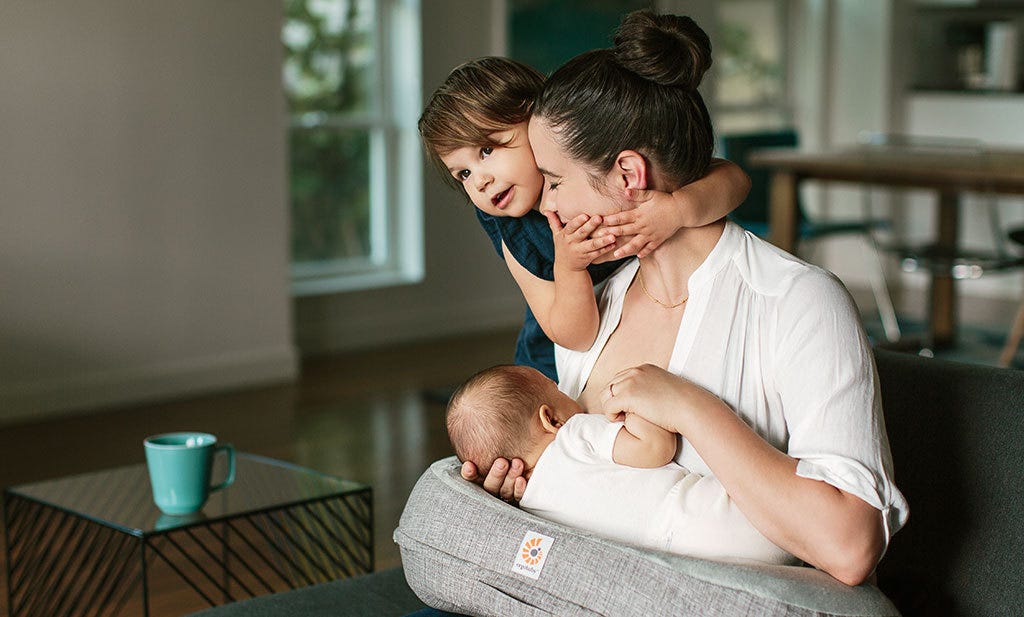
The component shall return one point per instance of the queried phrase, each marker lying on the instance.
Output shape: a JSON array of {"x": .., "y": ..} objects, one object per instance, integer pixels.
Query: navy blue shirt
[{"x": 529, "y": 240}]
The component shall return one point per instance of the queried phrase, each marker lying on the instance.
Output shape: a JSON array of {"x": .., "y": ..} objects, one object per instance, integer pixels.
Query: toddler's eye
[
  {"x": 461, "y": 175},
  {"x": 486, "y": 151}
]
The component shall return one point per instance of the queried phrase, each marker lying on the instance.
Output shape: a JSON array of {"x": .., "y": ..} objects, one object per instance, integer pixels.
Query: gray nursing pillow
[{"x": 466, "y": 551}]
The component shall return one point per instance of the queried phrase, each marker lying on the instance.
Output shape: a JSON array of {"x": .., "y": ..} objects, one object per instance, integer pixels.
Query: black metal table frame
[{"x": 281, "y": 547}]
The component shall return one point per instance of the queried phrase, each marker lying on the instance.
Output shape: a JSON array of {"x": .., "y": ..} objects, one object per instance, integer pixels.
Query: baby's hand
[
  {"x": 653, "y": 221},
  {"x": 504, "y": 479},
  {"x": 574, "y": 248}
]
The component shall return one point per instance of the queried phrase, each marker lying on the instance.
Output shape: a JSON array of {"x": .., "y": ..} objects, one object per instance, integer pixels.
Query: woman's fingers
[
  {"x": 515, "y": 474},
  {"x": 520, "y": 488},
  {"x": 501, "y": 480},
  {"x": 469, "y": 471},
  {"x": 496, "y": 476}
]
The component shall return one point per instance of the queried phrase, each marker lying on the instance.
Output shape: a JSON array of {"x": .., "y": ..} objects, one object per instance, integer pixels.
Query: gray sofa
[{"x": 957, "y": 435}]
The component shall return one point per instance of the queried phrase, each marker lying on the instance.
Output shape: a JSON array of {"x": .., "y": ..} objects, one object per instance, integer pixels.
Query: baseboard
[{"x": 86, "y": 391}]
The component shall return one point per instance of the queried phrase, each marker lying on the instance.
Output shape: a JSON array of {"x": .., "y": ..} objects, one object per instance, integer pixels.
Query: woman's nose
[{"x": 547, "y": 203}]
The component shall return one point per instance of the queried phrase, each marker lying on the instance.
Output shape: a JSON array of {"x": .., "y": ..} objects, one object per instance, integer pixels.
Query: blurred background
[
  {"x": 217, "y": 214},
  {"x": 196, "y": 195}
]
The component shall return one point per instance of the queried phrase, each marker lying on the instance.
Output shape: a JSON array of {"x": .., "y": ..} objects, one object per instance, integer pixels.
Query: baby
[{"x": 616, "y": 479}]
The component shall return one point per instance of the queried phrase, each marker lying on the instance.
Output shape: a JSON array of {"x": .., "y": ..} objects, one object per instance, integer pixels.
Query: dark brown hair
[
  {"x": 478, "y": 99},
  {"x": 646, "y": 87},
  {"x": 489, "y": 415}
]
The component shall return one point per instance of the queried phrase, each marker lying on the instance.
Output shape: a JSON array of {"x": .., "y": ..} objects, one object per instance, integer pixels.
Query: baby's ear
[{"x": 548, "y": 420}]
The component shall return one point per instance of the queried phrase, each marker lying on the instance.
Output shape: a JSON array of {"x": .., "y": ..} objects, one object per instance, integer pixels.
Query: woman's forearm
[{"x": 826, "y": 527}]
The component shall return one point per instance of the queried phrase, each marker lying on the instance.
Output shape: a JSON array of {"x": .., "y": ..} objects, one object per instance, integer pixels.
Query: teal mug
[{"x": 180, "y": 466}]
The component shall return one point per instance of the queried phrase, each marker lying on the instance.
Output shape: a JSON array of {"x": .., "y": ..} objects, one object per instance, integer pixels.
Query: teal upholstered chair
[{"x": 753, "y": 214}]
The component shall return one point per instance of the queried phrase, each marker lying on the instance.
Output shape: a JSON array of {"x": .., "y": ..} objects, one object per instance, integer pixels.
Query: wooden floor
[{"x": 376, "y": 417}]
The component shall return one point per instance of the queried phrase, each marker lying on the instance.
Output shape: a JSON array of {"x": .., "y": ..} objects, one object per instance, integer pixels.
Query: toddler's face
[{"x": 500, "y": 180}]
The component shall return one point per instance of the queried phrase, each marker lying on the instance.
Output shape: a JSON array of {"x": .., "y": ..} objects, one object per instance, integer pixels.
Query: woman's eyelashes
[{"x": 553, "y": 185}]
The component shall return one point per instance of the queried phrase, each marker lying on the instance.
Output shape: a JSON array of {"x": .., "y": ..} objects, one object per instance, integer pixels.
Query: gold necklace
[{"x": 643, "y": 286}]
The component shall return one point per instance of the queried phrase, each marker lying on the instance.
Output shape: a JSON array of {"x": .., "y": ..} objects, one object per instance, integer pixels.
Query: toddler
[
  {"x": 474, "y": 128},
  {"x": 616, "y": 479}
]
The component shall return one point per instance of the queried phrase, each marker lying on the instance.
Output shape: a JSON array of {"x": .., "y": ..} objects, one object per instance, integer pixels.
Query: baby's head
[
  {"x": 474, "y": 128},
  {"x": 506, "y": 412}
]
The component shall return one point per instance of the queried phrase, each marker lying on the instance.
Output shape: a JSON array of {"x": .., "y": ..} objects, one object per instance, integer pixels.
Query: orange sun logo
[{"x": 531, "y": 551}]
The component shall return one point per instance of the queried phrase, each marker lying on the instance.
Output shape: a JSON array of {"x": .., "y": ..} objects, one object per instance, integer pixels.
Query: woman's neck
[{"x": 667, "y": 270}]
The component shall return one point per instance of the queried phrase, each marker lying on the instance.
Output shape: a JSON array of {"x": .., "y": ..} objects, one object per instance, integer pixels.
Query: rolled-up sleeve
[{"x": 828, "y": 385}]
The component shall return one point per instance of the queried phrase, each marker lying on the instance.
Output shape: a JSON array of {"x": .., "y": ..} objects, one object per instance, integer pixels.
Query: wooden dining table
[{"x": 950, "y": 173}]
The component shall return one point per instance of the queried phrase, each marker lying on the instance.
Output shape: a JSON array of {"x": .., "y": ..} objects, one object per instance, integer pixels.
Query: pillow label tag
[{"x": 532, "y": 553}]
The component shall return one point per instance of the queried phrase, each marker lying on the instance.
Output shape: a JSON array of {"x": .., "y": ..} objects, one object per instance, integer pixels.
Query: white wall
[
  {"x": 843, "y": 84},
  {"x": 466, "y": 286},
  {"x": 143, "y": 225}
]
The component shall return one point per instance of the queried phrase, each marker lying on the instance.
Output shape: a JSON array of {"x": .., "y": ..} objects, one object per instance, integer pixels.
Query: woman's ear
[
  {"x": 548, "y": 421},
  {"x": 630, "y": 172}
]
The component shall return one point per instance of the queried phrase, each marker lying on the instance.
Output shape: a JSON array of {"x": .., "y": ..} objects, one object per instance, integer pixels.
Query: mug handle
[{"x": 230, "y": 450}]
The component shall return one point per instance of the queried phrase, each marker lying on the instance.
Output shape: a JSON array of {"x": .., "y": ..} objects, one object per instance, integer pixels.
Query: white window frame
[{"x": 396, "y": 166}]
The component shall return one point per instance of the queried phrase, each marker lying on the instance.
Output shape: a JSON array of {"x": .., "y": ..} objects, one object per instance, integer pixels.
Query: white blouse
[{"x": 780, "y": 341}]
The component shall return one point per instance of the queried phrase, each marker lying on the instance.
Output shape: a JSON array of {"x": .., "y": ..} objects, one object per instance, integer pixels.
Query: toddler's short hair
[
  {"x": 489, "y": 415},
  {"x": 479, "y": 98}
]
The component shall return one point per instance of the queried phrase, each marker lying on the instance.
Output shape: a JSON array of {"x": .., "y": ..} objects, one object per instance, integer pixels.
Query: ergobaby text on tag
[{"x": 531, "y": 554}]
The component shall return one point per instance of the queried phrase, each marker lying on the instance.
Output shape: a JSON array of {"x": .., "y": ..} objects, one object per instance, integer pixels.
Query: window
[
  {"x": 351, "y": 78},
  {"x": 749, "y": 65}
]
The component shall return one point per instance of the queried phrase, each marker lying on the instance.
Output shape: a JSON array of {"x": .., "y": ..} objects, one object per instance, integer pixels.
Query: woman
[{"x": 757, "y": 359}]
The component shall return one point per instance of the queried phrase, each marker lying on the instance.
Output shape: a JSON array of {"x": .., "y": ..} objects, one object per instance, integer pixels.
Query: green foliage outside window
[{"x": 329, "y": 69}]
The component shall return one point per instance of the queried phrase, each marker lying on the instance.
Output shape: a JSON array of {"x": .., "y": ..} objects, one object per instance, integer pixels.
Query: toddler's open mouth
[{"x": 501, "y": 199}]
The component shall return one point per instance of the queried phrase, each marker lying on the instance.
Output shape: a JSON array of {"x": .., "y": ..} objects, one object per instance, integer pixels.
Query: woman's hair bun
[{"x": 670, "y": 50}]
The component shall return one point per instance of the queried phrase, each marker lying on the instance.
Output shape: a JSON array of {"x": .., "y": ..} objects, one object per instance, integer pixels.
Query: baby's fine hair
[
  {"x": 479, "y": 98},
  {"x": 489, "y": 415}
]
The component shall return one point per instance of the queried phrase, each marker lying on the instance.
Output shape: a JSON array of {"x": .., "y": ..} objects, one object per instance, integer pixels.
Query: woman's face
[{"x": 568, "y": 189}]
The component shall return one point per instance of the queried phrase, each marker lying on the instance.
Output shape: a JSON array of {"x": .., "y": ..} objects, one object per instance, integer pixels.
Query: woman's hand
[
  {"x": 504, "y": 479},
  {"x": 574, "y": 248},
  {"x": 656, "y": 395},
  {"x": 655, "y": 219}
]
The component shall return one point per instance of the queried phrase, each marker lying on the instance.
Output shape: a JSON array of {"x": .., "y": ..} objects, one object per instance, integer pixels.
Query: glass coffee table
[{"x": 95, "y": 544}]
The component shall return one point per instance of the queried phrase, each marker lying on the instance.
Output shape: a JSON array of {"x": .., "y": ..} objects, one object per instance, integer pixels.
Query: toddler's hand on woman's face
[
  {"x": 575, "y": 248},
  {"x": 655, "y": 219}
]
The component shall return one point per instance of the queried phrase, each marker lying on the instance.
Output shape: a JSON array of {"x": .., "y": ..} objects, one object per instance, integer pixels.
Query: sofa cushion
[
  {"x": 957, "y": 436},
  {"x": 460, "y": 545},
  {"x": 381, "y": 594}
]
